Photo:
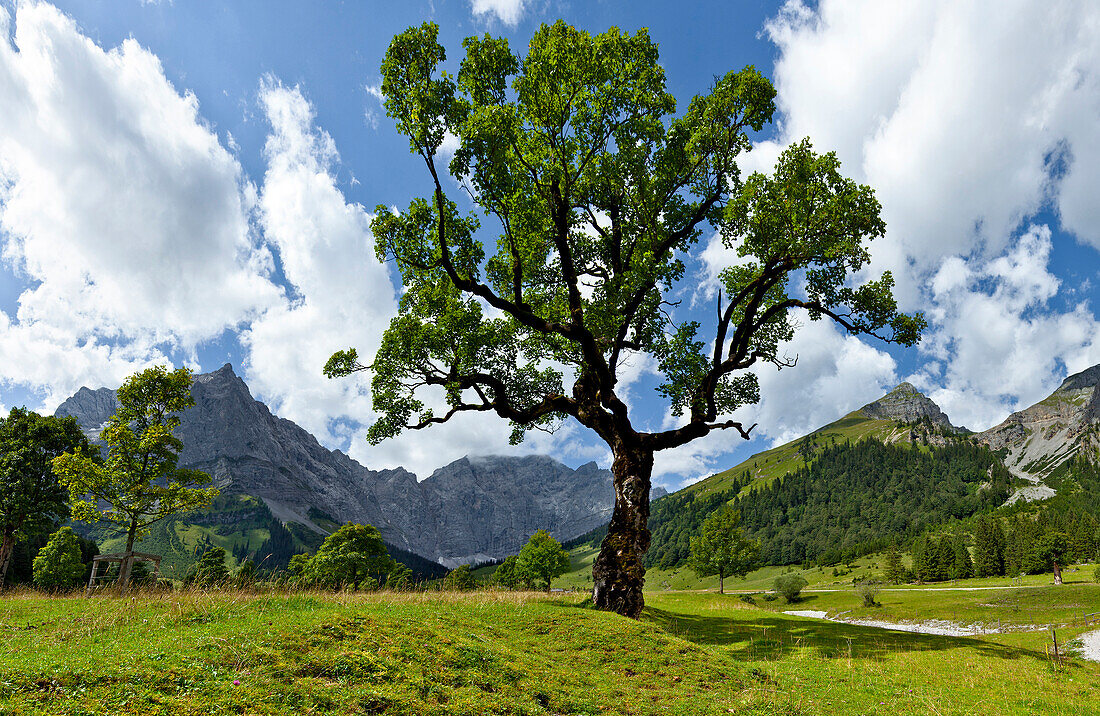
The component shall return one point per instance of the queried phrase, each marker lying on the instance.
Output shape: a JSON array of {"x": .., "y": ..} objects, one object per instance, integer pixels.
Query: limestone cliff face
[
  {"x": 91, "y": 408},
  {"x": 908, "y": 405},
  {"x": 1035, "y": 441},
  {"x": 473, "y": 509}
]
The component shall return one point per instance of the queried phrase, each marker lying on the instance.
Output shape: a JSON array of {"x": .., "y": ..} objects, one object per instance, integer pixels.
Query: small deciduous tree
[
  {"x": 1050, "y": 550},
  {"x": 350, "y": 556},
  {"x": 721, "y": 548},
  {"x": 598, "y": 192},
  {"x": 460, "y": 579},
  {"x": 31, "y": 498},
  {"x": 140, "y": 482},
  {"x": 541, "y": 559},
  {"x": 58, "y": 566}
]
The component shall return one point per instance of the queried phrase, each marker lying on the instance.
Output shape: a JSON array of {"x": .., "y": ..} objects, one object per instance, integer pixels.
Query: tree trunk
[
  {"x": 6, "y": 547},
  {"x": 721, "y": 583},
  {"x": 618, "y": 573},
  {"x": 127, "y": 565},
  {"x": 1057, "y": 574}
]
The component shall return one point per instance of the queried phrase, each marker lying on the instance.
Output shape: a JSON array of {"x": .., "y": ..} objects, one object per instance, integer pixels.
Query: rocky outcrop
[
  {"x": 472, "y": 510},
  {"x": 91, "y": 408},
  {"x": 906, "y": 404},
  {"x": 1034, "y": 442}
]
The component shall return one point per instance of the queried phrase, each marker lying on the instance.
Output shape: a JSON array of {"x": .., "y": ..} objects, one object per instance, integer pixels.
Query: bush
[
  {"x": 746, "y": 598},
  {"x": 507, "y": 575},
  {"x": 1096, "y": 574},
  {"x": 460, "y": 579},
  {"x": 399, "y": 578},
  {"x": 58, "y": 567},
  {"x": 790, "y": 586},
  {"x": 770, "y": 597},
  {"x": 867, "y": 591}
]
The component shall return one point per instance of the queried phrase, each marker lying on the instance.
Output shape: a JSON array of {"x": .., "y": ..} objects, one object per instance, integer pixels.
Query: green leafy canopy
[
  {"x": 140, "y": 481},
  {"x": 597, "y": 191}
]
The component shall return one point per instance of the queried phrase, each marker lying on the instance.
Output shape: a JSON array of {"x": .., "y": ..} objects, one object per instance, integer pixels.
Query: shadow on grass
[{"x": 753, "y": 635}]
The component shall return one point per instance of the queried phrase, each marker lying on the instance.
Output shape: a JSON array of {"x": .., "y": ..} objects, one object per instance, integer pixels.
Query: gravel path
[{"x": 932, "y": 626}]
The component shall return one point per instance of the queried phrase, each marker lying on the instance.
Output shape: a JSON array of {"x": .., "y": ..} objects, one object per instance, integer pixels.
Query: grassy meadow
[{"x": 524, "y": 653}]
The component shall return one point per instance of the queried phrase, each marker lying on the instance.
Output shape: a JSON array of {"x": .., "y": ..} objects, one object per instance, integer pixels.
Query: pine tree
[
  {"x": 989, "y": 558},
  {"x": 894, "y": 572},
  {"x": 962, "y": 567},
  {"x": 924, "y": 559},
  {"x": 945, "y": 558}
]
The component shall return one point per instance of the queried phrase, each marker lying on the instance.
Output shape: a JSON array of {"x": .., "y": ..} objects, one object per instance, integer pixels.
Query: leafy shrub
[
  {"x": 790, "y": 586},
  {"x": 1096, "y": 574},
  {"x": 746, "y": 598},
  {"x": 770, "y": 597},
  {"x": 57, "y": 566},
  {"x": 868, "y": 590},
  {"x": 507, "y": 575},
  {"x": 399, "y": 578}
]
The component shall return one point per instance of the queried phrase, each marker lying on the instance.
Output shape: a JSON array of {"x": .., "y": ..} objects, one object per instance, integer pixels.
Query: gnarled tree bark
[{"x": 618, "y": 574}]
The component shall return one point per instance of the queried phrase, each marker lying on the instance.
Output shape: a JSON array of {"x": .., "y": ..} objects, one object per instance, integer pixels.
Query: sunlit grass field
[{"x": 523, "y": 653}]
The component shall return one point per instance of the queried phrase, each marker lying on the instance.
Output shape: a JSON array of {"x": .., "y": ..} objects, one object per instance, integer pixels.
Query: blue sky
[{"x": 192, "y": 184}]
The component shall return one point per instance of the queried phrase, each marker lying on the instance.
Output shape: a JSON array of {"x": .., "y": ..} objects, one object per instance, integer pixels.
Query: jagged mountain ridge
[
  {"x": 471, "y": 510},
  {"x": 1033, "y": 443}
]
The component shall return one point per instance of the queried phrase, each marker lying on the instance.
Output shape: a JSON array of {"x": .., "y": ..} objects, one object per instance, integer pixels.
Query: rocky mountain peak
[
  {"x": 906, "y": 404},
  {"x": 1088, "y": 378},
  {"x": 91, "y": 408}
]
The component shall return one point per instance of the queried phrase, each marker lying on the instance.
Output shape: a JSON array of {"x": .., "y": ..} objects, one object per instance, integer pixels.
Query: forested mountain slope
[
  {"x": 852, "y": 499},
  {"x": 902, "y": 415}
]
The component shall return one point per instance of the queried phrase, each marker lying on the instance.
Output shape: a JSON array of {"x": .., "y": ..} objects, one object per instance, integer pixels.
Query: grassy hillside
[
  {"x": 505, "y": 653},
  {"x": 778, "y": 461}
]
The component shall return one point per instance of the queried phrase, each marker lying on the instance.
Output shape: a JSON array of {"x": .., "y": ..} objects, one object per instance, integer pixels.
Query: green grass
[
  {"x": 510, "y": 653},
  {"x": 828, "y": 667},
  {"x": 403, "y": 654}
]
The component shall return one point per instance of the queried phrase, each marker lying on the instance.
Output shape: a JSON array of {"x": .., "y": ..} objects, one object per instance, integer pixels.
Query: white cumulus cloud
[
  {"x": 507, "y": 11},
  {"x": 121, "y": 213},
  {"x": 340, "y": 295},
  {"x": 967, "y": 119}
]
